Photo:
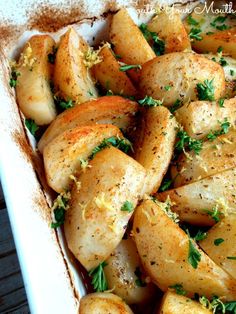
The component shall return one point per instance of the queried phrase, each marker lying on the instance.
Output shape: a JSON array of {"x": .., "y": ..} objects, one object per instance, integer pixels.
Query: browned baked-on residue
[
  {"x": 9, "y": 33},
  {"x": 21, "y": 142}
]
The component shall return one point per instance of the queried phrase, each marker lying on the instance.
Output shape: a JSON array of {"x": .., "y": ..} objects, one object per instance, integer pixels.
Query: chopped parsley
[
  {"x": 209, "y": 33},
  {"x": 52, "y": 55},
  {"x": 214, "y": 213},
  {"x": 127, "y": 207},
  {"x": 175, "y": 106},
  {"x": 167, "y": 87},
  {"x": 178, "y": 289},
  {"x": 192, "y": 21},
  {"x": 139, "y": 282},
  {"x": 230, "y": 307},
  {"x": 194, "y": 256},
  {"x": 59, "y": 209},
  {"x": 200, "y": 236},
  {"x": 128, "y": 67},
  {"x": 13, "y": 79},
  {"x": 195, "y": 34},
  {"x": 223, "y": 62},
  {"x": 120, "y": 143},
  {"x": 218, "y": 241},
  {"x": 150, "y": 102},
  {"x": 99, "y": 281},
  {"x": 221, "y": 102},
  {"x": 220, "y": 49},
  {"x": 231, "y": 257},
  {"x": 186, "y": 142},
  {"x": 157, "y": 44},
  {"x": 215, "y": 305},
  {"x": 65, "y": 104},
  {"x": 31, "y": 126},
  {"x": 231, "y": 72},
  {"x": 165, "y": 184},
  {"x": 206, "y": 90},
  {"x": 225, "y": 125},
  {"x": 222, "y": 27}
]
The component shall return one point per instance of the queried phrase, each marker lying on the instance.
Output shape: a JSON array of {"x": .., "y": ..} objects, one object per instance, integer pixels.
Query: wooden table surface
[{"x": 12, "y": 292}]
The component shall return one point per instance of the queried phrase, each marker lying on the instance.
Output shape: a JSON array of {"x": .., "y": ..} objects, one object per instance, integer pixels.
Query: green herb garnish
[
  {"x": 192, "y": 21},
  {"x": 150, "y": 102},
  {"x": 200, "y": 236},
  {"x": 59, "y": 209},
  {"x": 206, "y": 90},
  {"x": 175, "y": 106},
  {"x": 128, "y": 67},
  {"x": 194, "y": 256},
  {"x": 127, "y": 207},
  {"x": 223, "y": 62},
  {"x": 195, "y": 34},
  {"x": 221, "y": 102},
  {"x": 52, "y": 55},
  {"x": 178, "y": 289},
  {"x": 218, "y": 241},
  {"x": 98, "y": 278},
  {"x": 214, "y": 213},
  {"x": 66, "y": 104},
  {"x": 157, "y": 44},
  {"x": 225, "y": 125},
  {"x": 231, "y": 72},
  {"x": 186, "y": 142},
  {"x": 231, "y": 257},
  {"x": 139, "y": 282},
  {"x": 31, "y": 126},
  {"x": 13, "y": 79}
]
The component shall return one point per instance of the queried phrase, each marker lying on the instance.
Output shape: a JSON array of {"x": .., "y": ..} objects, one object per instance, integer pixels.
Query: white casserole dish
[{"x": 52, "y": 284}]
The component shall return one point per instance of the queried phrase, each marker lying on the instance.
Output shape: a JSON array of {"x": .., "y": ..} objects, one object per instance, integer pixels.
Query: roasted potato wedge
[
  {"x": 129, "y": 41},
  {"x": 215, "y": 156},
  {"x": 220, "y": 244},
  {"x": 114, "y": 110},
  {"x": 181, "y": 79},
  {"x": 173, "y": 33},
  {"x": 62, "y": 156},
  {"x": 71, "y": 76},
  {"x": 95, "y": 222},
  {"x": 199, "y": 118},
  {"x": 173, "y": 303},
  {"x": 33, "y": 91},
  {"x": 120, "y": 274},
  {"x": 192, "y": 201},
  {"x": 156, "y": 145},
  {"x": 164, "y": 250},
  {"x": 108, "y": 74},
  {"x": 103, "y": 303}
]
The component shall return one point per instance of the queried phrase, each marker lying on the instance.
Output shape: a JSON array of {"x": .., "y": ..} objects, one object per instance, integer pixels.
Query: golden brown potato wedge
[
  {"x": 129, "y": 41},
  {"x": 114, "y": 110},
  {"x": 97, "y": 218},
  {"x": 155, "y": 145},
  {"x": 215, "y": 156},
  {"x": 173, "y": 303},
  {"x": 71, "y": 76},
  {"x": 108, "y": 74},
  {"x": 173, "y": 33},
  {"x": 199, "y": 118},
  {"x": 120, "y": 274},
  {"x": 220, "y": 244},
  {"x": 181, "y": 79},
  {"x": 103, "y": 303},
  {"x": 62, "y": 156},
  {"x": 164, "y": 249},
  {"x": 192, "y": 201},
  {"x": 33, "y": 90}
]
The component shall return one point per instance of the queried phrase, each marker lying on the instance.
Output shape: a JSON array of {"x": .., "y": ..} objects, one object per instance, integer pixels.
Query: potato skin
[
  {"x": 114, "y": 110},
  {"x": 190, "y": 201},
  {"x": 94, "y": 223},
  {"x": 120, "y": 274},
  {"x": 226, "y": 230},
  {"x": 71, "y": 77},
  {"x": 33, "y": 92},
  {"x": 163, "y": 248},
  {"x": 214, "y": 157},
  {"x": 63, "y": 154},
  {"x": 199, "y": 118},
  {"x": 173, "y": 34},
  {"x": 173, "y": 303},
  {"x": 182, "y": 75},
  {"x": 108, "y": 74},
  {"x": 103, "y": 303},
  {"x": 156, "y": 145}
]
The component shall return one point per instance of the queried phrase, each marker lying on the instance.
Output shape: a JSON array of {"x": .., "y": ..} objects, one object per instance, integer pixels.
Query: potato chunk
[
  {"x": 108, "y": 74},
  {"x": 192, "y": 201},
  {"x": 164, "y": 249},
  {"x": 215, "y": 156},
  {"x": 33, "y": 91},
  {"x": 96, "y": 220},
  {"x": 64, "y": 155},
  {"x": 71, "y": 76},
  {"x": 103, "y": 303},
  {"x": 156, "y": 145},
  {"x": 220, "y": 244},
  {"x": 199, "y": 118},
  {"x": 114, "y": 110},
  {"x": 176, "y": 75}
]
